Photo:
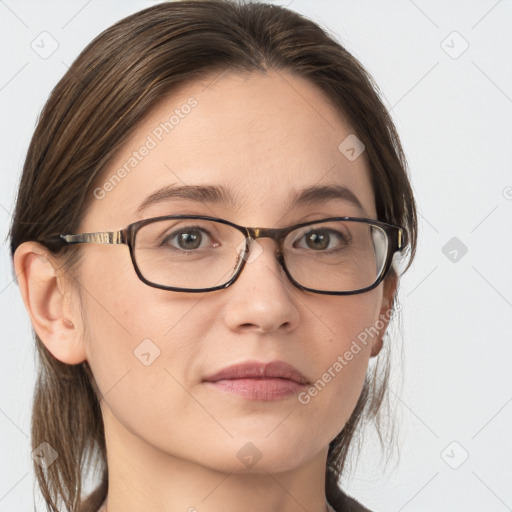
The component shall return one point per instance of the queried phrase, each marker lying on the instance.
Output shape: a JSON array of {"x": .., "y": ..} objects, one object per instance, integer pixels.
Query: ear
[
  {"x": 388, "y": 295},
  {"x": 47, "y": 296}
]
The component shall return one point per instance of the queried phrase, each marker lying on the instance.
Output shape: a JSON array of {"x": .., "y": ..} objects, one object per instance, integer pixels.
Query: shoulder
[
  {"x": 344, "y": 503},
  {"x": 340, "y": 501},
  {"x": 348, "y": 504}
]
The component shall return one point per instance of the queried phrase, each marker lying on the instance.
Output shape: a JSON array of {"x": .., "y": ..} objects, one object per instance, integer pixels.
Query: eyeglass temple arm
[
  {"x": 403, "y": 239},
  {"x": 106, "y": 237}
]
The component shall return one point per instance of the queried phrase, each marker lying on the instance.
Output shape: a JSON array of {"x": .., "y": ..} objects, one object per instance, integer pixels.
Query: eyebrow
[
  {"x": 220, "y": 195},
  {"x": 198, "y": 193},
  {"x": 321, "y": 193}
]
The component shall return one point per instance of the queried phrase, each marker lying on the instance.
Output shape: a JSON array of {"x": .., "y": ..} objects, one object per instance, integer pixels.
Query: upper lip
[{"x": 259, "y": 370}]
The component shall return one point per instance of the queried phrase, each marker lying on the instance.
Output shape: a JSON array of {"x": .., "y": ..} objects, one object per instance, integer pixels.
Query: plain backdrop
[{"x": 445, "y": 72}]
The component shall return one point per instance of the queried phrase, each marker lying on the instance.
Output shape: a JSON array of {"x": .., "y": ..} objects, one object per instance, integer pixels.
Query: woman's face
[{"x": 262, "y": 138}]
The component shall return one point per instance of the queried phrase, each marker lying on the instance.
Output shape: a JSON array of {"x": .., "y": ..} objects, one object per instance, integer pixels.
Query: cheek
[
  {"x": 134, "y": 329},
  {"x": 141, "y": 345},
  {"x": 341, "y": 357}
]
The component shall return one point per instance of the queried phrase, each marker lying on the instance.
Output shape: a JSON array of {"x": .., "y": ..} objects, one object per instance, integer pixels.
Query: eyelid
[
  {"x": 318, "y": 225},
  {"x": 178, "y": 229},
  {"x": 298, "y": 235},
  {"x": 172, "y": 237}
]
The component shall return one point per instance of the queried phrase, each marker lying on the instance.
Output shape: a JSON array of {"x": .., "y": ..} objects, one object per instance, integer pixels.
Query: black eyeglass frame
[{"x": 396, "y": 236}]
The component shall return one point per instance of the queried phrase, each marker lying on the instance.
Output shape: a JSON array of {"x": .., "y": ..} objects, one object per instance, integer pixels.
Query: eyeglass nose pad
[
  {"x": 250, "y": 250},
  {"x": 243, "y": 252}
]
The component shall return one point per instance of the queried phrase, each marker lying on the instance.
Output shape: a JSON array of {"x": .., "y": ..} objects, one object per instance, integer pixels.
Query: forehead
[{"x": 261, "y": 138}]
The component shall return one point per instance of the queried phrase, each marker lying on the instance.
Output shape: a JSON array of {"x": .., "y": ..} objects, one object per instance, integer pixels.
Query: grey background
[{"x": 453, "y": 392}]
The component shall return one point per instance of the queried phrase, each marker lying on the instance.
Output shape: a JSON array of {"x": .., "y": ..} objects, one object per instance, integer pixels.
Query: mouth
[{"x": 255, "y": 380}]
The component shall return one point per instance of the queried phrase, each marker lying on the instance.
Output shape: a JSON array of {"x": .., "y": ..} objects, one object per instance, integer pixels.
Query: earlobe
[
  {"x": 390, "y": 286},
  {"x": 46, "y": 298}
]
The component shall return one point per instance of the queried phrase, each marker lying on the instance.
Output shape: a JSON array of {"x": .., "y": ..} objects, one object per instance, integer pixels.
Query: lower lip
[{"x": 259, "y": 389}]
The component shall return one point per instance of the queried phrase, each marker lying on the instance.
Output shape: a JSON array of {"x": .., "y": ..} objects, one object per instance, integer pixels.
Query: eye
[
  {"x": 188, "y": 239},
  {"x": 322, "y": 239}
]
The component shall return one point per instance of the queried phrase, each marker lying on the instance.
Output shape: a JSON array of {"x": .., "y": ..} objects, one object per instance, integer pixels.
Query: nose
[{"x": 262, "y": 299}]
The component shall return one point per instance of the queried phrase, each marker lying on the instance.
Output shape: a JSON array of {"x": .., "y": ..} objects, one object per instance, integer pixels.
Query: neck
[{"x": 141, "y": 477}]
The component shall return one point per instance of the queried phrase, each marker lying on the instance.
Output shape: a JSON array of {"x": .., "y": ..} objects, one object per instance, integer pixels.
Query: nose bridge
[{"x": 276, "y": 234}]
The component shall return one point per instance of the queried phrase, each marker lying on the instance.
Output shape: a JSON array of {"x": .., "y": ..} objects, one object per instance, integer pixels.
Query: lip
[{"x": 256, "y": 380}]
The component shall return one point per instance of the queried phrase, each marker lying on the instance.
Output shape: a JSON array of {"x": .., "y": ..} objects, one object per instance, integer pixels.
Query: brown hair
[{"x": 92, "y": 110}]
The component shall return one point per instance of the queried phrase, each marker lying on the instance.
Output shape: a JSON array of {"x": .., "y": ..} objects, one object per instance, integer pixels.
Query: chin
[{"x": 260, "y": 455}]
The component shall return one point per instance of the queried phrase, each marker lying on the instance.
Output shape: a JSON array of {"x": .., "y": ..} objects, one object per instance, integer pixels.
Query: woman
[{"x": 203, "y": 239}]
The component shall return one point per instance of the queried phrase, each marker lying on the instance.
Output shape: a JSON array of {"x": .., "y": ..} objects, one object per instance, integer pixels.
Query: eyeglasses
[{"x": 197, "y": 253}]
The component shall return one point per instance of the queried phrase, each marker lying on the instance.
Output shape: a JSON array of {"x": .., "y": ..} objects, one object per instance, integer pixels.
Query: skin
[{"x": 172, "y": 442}]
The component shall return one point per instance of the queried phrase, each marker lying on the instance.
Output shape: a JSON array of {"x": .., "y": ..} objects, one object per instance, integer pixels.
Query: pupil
[
  {"x": 190, "y": 240},
  {"x": 319, "y": 240}
]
